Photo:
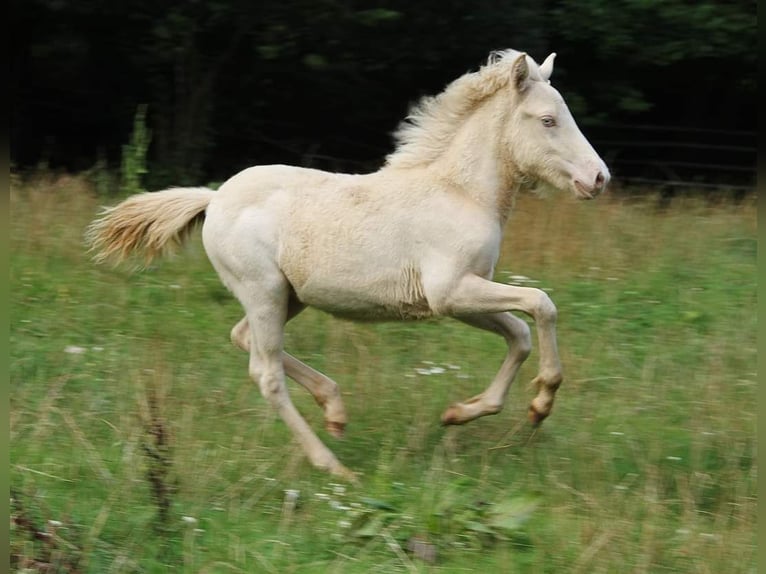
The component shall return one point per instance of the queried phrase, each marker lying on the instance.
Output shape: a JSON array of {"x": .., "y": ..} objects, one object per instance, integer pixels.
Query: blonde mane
[{"x": 433, "y": 121}]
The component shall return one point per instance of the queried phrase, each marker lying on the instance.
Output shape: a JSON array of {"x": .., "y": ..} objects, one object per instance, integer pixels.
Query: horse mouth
[{"x": 581, "y": 191}]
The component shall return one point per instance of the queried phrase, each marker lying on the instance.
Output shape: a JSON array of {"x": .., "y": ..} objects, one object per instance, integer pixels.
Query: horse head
[{"x": 543, "y": 138}]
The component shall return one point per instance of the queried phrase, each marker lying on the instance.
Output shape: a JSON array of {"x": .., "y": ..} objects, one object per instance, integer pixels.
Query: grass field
[{"x": 139, "y": 445}]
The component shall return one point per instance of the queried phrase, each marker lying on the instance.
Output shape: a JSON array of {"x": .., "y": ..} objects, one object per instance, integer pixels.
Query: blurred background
[{"x": 665, "y": 89}]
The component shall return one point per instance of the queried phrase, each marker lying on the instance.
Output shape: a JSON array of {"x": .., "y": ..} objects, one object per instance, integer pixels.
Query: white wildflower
[
  {"x": 291, "y": 495},
  {"x": 430, "y": 370},
  {"x": 339, "y": 490},
  {"x": 74, "y": 350}
]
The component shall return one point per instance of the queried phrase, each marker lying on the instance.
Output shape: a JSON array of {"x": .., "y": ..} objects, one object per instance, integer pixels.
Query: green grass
[{"x": 647, "y": 463}]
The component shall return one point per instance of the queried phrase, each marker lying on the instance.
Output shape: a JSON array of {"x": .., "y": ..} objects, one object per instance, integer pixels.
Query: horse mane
[{"x": 432, "y": 122}]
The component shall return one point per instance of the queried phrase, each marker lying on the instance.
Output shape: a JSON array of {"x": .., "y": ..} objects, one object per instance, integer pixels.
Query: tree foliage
[{"x": 230, "y": 83}]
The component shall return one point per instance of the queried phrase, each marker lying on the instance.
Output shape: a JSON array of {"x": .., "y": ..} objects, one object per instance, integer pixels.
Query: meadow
[{"x": 138, "y": 443}]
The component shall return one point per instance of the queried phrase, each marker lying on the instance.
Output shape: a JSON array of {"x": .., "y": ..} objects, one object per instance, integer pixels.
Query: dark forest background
[{"x": 664, "y": 88}]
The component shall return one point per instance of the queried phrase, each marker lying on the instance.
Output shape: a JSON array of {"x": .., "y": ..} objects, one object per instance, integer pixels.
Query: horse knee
[{"x": 545, "y": 309}]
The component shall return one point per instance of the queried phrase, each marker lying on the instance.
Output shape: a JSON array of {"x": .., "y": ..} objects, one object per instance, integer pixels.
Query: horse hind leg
[
  {"x": 266, "y": 317},
  {"x": 325, "y": 391},
  {"x": 240, "y": 335},
  {"x": 517, "y": 335}
]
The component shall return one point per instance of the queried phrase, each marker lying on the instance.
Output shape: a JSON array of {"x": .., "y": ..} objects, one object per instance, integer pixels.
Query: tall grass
[{"x": 647, "y": 463}]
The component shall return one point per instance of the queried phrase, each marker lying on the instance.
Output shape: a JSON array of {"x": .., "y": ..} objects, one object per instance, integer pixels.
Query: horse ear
[
  {"x": 520, "y": 72},
  {"x": 547, "y": 67}
]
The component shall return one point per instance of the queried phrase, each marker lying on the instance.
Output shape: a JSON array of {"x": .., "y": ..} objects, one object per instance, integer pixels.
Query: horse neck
[{"x": 476, "y": 163}]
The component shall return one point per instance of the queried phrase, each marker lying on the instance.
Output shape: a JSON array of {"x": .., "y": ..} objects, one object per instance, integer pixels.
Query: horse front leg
[
  {"x": 517, "y": 336},
  {"x": 472, "y": 295}
]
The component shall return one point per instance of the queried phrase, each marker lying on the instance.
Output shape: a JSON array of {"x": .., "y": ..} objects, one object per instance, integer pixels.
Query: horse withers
[{"x": 418, "y": 238}]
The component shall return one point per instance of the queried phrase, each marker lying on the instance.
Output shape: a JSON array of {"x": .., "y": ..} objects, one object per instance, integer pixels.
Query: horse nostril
[{"x": 600, "y": 179}]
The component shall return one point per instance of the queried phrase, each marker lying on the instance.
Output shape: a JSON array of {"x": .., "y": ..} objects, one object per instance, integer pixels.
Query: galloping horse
[{"x": 418, "y": 238}]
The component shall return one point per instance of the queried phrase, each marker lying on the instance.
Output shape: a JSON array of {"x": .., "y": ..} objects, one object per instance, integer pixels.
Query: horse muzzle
[{"x": 591, "y": 187}]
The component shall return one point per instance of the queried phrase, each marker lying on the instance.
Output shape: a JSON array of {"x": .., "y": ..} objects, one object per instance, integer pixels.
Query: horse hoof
[
  {"x": 336, "y": 429},
  {"x": 344, "y": 473},
  {"x": 534, "y": 416},
  {"x": 451, "y": 416}
]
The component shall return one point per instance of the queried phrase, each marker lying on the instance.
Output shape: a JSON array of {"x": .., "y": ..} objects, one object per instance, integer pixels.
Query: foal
[{"x": 418, "y": 238}]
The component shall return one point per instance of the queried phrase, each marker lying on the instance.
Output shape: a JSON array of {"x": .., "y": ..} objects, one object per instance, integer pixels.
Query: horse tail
[{"x": 148, "y": 223}]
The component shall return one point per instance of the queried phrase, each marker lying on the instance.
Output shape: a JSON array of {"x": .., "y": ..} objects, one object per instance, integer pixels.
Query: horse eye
[{"x": 548, "y": 121}]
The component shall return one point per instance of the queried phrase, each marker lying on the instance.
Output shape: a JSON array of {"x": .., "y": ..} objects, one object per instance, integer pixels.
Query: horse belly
[{"x": 398, "y": 296}]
